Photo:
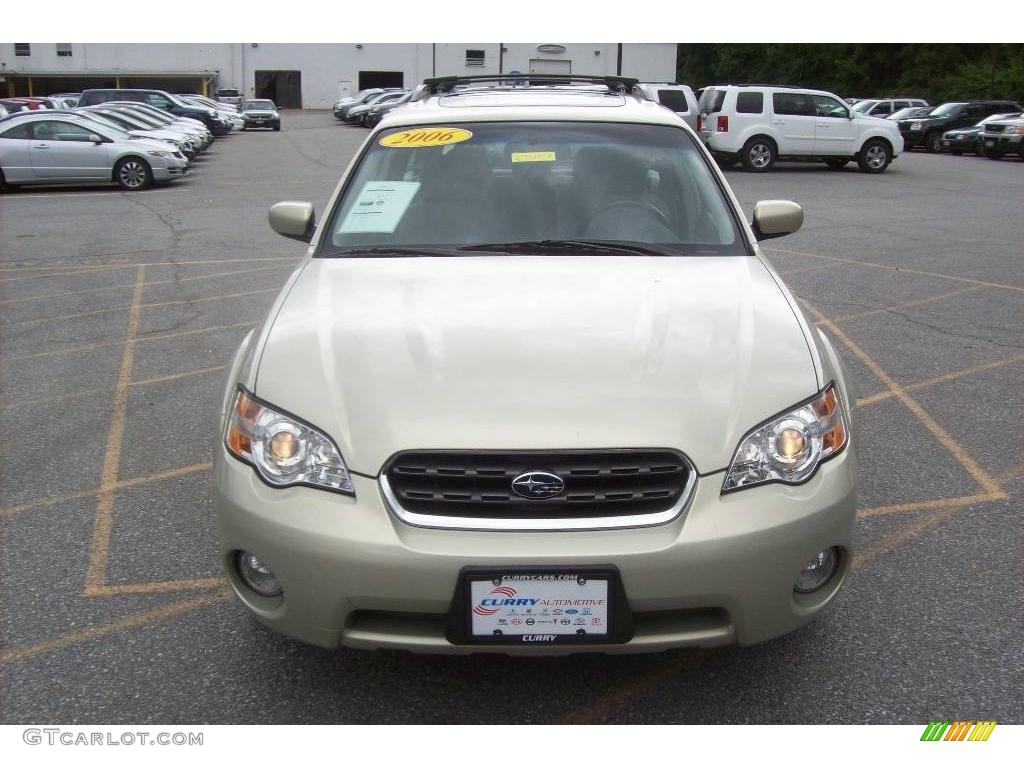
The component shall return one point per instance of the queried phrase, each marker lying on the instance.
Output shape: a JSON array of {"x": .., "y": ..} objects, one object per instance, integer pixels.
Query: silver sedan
[{"x": 41, "y": 148}]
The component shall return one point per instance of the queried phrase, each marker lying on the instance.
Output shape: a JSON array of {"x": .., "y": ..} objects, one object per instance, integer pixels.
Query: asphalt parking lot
[{"x": 119, "y": 312}]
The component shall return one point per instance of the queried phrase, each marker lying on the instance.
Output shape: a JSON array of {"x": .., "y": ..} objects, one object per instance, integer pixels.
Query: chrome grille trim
[{"x": 648, "y": 519}]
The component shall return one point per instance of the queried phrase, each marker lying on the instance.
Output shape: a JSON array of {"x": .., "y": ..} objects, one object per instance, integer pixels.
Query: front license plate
[
  {"x": 990, "y": 142},
  {"x": 556, "y": 606}
]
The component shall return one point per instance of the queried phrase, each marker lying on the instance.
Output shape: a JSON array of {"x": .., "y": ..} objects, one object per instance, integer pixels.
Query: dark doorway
[
  {"x": 283, "y": 87},
  {"x": 380, "y": 80}
]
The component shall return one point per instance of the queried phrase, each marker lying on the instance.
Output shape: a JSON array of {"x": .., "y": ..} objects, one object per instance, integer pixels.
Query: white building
[{"x": 311, "y": 75}]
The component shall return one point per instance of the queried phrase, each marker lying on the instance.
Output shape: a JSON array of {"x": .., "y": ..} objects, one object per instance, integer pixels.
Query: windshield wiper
[
  {"x": 395, "y": 251},
  {"x": 566, "y": 246}
]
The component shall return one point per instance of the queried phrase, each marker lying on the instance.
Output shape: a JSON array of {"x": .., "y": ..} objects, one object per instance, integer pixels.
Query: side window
[
  {"x": 158, "y": 101},
  {"x": 711, "y": 101},
  {"x": 826, "y": 106},
  {"x": 750, "y": 102},
  {"x": 972, "y": 111},
  {"x": 792, "y": 104},
  {"x": 70, "y": 132},
  {"x": 674, "y": 100},
  {"x": 23, "y": 131}
]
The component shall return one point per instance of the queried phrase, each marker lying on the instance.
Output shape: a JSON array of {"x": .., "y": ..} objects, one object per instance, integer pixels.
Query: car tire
[
  {"x": 874, "y": 156},
  {"x": 993, "y": 154},
  {"x": 933, "y": 142},
  {"x": 277, "y": 127},
  {"x": 758, "y": 154},
  {"x": 133, "y": 174},
  {"x": 837, "y": 163}
]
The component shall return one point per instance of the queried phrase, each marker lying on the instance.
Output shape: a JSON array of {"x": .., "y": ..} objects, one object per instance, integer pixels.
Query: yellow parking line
[
  {"x": 175, "y": 376},
  {"x": 886, "y": 544},
  {"x": 152, "y": 587},
  {"x": 922, "y": 506},
  {"x": 899, "y": 269},
  {"x": 141, "y": 339},
  {"x": 149, "y": 284},
  {"x": 98, "y": 550},
  {"x": 951, "y": 376},
  {"x": 905, "y": 305},
  {"x": 87, "y": 392},
  {"x": 132, "y": 482},
  {"x": 131, "y": 621},
  {"x": 966, "y": 461},
  {"x": 129, "y": 264},
  {"x": 123, "y": 307}
]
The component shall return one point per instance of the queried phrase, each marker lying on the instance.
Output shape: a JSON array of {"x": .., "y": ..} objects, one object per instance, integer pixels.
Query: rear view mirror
[
  {"x": 293, "y": 219},
  {"x": 776, "y": 218}
]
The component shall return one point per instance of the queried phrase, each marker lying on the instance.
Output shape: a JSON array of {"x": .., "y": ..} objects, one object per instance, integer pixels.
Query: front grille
[{"x": 598, "y": 484}]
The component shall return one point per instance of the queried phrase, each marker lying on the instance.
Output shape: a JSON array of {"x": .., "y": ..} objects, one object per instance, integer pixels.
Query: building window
[
  {"x": 22, "y": 49},
  {"x": 474, "y": 58},
  {"x": 63, "y": 49}
]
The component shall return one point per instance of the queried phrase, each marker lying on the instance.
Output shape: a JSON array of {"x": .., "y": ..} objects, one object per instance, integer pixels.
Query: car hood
[
  {"x": 148, "y": 142},
  {"x": 529, "y": 352}
]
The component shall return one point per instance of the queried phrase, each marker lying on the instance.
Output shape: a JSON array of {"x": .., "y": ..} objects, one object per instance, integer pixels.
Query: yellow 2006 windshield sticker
[
  {"x": 533, "y": 157},
  {"x": 426, "y": 137}
]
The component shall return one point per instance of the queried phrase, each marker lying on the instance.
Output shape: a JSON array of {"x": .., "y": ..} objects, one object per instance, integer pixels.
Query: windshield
[
  {"x": 947, "y": 109},
  {"x": 259, "y": 104},
  {"x": 506, "y": 187}
]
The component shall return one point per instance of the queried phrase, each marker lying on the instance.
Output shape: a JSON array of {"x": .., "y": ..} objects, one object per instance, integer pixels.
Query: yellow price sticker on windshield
[
  {"x": 533, "y": 157},
  {"x": 426, "y": 137}
]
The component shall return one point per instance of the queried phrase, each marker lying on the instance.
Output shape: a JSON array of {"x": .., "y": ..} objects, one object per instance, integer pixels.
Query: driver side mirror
[
  {"x": 95, "y": 138},
  {"x": 776, "y": 218},
  {"x": 293, "y": 219}
]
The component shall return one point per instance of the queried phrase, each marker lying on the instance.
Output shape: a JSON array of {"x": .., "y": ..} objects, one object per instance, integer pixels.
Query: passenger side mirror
[
  {"x": 95, "y": 138},
  {"x": 776, "y": 218},
  {"x": 293, "y": 219}
]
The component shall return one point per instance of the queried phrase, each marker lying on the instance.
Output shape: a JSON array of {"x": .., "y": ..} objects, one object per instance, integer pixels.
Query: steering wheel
[{"x": 635, "y": 205}]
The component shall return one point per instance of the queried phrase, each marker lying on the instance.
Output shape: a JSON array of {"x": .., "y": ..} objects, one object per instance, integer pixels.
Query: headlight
[
  {"x": 1019, "y": 129},
  {"x": 789, "y": 448},
  {"x": 159, "y": 153},
  {"x": 284, "y": 450},
  {"x": 915, "y": 126}
]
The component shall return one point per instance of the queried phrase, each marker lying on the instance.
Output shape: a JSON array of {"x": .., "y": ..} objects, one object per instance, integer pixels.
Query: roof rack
[{"x": 438, "y": 85}]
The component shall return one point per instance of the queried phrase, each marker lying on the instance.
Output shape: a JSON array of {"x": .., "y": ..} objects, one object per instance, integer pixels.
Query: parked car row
[
  {"x": 368, "y": 107},
  {"x": 982, "y": 127},
  {"x": 131, "y": 137}
]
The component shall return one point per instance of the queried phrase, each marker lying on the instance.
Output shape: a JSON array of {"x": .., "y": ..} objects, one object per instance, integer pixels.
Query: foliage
[{"x": 935, "y": 71}]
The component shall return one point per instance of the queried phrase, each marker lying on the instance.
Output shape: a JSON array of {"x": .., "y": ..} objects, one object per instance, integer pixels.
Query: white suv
[{"x": 759, "y": 124}]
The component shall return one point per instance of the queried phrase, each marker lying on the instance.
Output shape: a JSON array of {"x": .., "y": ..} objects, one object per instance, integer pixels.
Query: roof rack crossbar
[{"x": 614, "y": 83}]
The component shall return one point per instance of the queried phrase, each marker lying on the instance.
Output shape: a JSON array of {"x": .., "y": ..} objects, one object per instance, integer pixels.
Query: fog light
[
  {"x": 257, "y": 576},
  {"x": 817, "y": 572}
]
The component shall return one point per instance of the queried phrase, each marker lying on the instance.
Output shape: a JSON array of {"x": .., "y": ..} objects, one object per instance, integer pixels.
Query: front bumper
[
  {"x": 1000, "y": 142},
  {"x": 965, "y": 144},
  {"x": 173, "y": 168},
  {"x": 721, "y": 573}
]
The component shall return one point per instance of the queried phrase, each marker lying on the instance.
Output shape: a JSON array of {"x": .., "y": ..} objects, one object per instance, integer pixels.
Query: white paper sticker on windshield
[{"x": 380, "y": 206}]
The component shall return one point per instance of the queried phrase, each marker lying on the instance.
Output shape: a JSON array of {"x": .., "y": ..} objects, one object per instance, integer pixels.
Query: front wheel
[
  {"x": 874, "y": 157},
  {"x": 837, "y": 163},
  {"x": 933, "y": 142},
  {"x": 277, "y": 127},
  {"x": 133, "y": 174},
  {"x": 758, "y": 155}
]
